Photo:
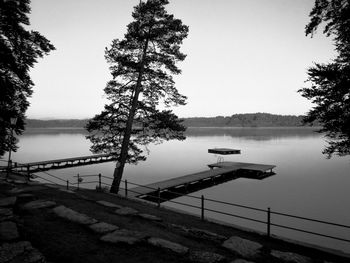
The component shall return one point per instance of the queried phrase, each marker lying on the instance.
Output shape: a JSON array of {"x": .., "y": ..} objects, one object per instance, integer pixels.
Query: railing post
[
  {"x": 67, "y": 185},
  {"x": 126, "y": 188},
  {"x": 28, "y": 172},
  {"x": 78, "y": 182},
  {"x": 268, "y": 222},
  {"x": 99, "y": 182},
  {"x": 202, "y": 208},
  {"x": 158, "y": 193}
]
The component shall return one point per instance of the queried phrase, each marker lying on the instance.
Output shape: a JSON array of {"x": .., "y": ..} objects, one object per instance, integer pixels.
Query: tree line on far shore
[{"x": 236, "y": 120}]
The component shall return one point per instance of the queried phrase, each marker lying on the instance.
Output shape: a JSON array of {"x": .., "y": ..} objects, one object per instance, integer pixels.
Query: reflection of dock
[{"x": 219, "y": 173}]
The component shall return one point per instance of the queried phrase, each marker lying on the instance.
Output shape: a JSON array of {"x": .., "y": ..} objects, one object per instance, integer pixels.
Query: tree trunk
[{"x": 119, "y": 168}]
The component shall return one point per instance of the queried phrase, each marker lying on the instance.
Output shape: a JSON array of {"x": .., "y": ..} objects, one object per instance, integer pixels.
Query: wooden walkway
[
  {"x": 34, "y": 167},
  {"x": 248, "y": 170}
]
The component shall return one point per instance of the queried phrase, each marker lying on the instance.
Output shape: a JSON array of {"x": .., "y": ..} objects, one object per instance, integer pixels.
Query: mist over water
[{"x": 306, "y": 183}]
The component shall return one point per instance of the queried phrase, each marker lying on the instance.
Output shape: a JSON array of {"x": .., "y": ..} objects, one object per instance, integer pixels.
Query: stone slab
[
  {"x": 205, "y": 257},
  {"x": 38, "y": 204},
  {"x": 163, "y": 243},
  {"x": 124, "y": 236},
  {"x": 73, "y": 216},
  {"x": 8, "y": 231},
  {"x": 20, "y": 252},
  {"x": 26, "y": 189},
  {"x": 126, "y": 211},
  {"x": 150, "y": 217},
  {"x": 24, "y": 198},
  {"x": 200, "y": 233},
  {"x": 108, "y": 204},
  {"x": 8, "y": 201},
  {"x": 4, "y": 212},
  {"x": 290, "y": 257},
  {"x": 242, "y": 247},
  {"x": 241, "y": 261},
  {"x": 66, "y": 191},
  {"x": 103, "y": 228}
]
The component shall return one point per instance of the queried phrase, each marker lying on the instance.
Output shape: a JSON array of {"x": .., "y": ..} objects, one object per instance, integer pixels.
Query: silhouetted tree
[
  {"x": 19, "y": 50},
  {"x": 141, "y": 65},
  {"x": 330, "y": 83}
]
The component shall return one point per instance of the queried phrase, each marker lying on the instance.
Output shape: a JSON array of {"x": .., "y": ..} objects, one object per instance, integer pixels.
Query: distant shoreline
[{"x": 248, "y": 120}]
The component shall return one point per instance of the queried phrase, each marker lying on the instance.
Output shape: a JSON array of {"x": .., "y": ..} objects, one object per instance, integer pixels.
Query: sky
[{"x": 243, "y": 56}]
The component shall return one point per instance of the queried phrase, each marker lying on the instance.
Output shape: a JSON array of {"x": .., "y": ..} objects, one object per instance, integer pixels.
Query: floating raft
[
  {"x": 224, "y": 151},
  {"x": 219, "y": 173}
]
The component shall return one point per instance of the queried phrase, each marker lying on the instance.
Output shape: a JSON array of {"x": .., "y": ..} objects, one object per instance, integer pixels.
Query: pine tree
[
  {"x": 142, "y": 65},
  {"x": 330, "y": 83},
  {"x": 19, "y": 50}
]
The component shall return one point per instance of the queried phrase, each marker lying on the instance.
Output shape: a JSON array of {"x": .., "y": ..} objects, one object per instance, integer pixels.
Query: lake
[{"x": 306, "y": 183}]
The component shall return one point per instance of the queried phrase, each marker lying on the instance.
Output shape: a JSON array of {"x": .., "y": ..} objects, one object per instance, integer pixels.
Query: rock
[
  {"x": 66, "y": 191},
  {"x": 8, "y": 201},
  {"x": 37, "y": 204},
  {"x": 124, "y": 236},
  {"x": 102, "y": 227},
  {"x": 200, "y": 233},
  {"x": 241, "y": 261},
  {"x": 26, "y": 189},
  {"x": 290, "y": 257},
  {"x": 150, "y": 217},
  {"x": 8, "y": 231},
  {"x": 24, "y": 198},
  {"x": 20, "y": 252},
  {"x": 126, "y": 211},
  {"x": 242, "y": 247},
  {"x": 205, "y": 257},
  {"x": 19, "y": 181},
  {"x": 4, "y": 212},
  {"x": 175, "y": 247},
  {"x": 108, "y": 204},
  {"x": 73, "y": 216}
]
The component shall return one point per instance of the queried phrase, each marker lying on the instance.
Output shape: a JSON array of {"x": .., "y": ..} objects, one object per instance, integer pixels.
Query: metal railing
[{"x": 156, "y": 196}]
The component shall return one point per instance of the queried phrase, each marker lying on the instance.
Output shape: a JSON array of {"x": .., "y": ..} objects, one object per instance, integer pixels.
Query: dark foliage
[
  {"x": 19, "y": 51},
  {"x": 142, "y": 65},
  {"x": 330, "y": 83},
  {"x": 246, "y": 120}
]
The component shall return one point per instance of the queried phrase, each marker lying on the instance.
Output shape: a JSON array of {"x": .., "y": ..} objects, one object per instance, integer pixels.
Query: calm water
[{"x": 305, "y": 184}]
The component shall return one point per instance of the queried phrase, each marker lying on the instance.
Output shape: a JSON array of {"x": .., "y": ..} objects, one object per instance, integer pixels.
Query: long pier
[
  {"x": 219, "y": 173},
  {"x": 34, "y": 167}
]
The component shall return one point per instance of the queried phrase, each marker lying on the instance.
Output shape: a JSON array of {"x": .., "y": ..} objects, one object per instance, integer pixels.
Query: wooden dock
[
  {"x": 34, "y": 167},
  {"x": 219, "y": 173}
]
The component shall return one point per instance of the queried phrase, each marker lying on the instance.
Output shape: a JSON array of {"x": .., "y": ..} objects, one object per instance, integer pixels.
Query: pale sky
[{"x": 243, "y": 56}]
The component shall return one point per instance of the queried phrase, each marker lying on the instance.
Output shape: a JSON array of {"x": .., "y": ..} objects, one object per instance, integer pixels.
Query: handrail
[{"x": 157, "y": 196}]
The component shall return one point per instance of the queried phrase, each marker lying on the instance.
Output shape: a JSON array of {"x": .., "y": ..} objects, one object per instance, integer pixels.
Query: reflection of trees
[{"x": 253, "y": 133}]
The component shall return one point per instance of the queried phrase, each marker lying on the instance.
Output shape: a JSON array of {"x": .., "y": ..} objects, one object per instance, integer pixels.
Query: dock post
[
  {"x": 126, "y": 188},
  {"x": 99, "y": 181},
  {"x": 268, "y": 222},
  {"x": 67, "y": 185},
  {"x": 78, "y": 181},
  {"x": 202, "y": 208},
  {"x": 158, "y": 193}
]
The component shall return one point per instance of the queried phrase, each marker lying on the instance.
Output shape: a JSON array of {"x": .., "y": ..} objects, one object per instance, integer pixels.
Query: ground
[{"x": 59, "y": 239}]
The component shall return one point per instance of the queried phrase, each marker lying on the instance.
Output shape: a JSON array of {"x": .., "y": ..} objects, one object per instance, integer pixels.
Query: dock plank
[
  {"x": 182, "y": 180},
  {"x": 220, "y": 169}
]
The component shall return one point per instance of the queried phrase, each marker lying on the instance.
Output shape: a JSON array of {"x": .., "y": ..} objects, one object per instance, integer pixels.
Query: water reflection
[{"x": 260, "y": 134}]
